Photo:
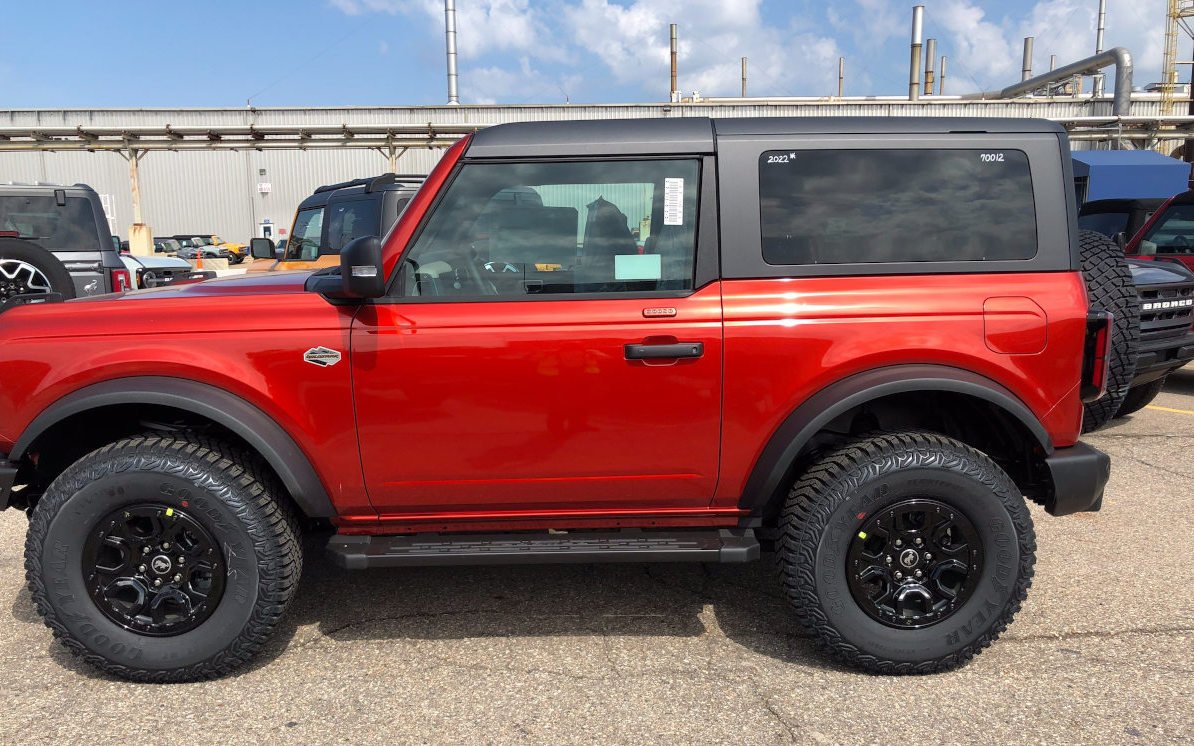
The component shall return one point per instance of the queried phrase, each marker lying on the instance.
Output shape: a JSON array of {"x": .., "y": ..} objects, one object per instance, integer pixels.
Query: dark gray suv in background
[{"x": 55, "y": 239}]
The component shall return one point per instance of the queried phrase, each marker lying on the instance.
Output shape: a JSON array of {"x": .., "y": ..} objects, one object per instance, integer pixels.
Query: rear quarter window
[
  {"x": 891, "y": 205},
  {"x": 69, "y": 227}
]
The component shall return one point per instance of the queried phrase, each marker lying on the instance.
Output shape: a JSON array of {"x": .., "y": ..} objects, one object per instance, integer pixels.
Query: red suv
[{"x": 859, "y": 346}]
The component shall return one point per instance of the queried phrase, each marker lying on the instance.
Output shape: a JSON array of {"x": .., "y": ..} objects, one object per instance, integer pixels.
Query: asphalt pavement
[{"x": 1103, "y": 651}]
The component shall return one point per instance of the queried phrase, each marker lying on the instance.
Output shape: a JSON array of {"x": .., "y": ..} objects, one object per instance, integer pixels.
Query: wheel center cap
[
  {"x": 908, "y": 558},
  {"x": 161, "y": 564}
]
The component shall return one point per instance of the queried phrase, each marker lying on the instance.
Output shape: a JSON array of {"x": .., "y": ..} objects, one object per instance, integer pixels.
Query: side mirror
[
  {"x": 1121, "y": 240},
  {"x": 261, "y": 248},
  {"x": 360, "y": 268}
]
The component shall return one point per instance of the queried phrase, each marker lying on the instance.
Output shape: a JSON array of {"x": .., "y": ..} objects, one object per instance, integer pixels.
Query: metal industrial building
[{"x": 229, "y": 171}]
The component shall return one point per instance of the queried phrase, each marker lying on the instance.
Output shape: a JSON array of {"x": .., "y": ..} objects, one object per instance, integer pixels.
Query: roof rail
[{"x": 373, "y": 183}]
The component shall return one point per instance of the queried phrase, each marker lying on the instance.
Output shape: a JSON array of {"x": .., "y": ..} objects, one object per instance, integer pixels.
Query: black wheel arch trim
[
  {"x": 822, "y": 407},
  {"x": 244, "y": 419}
]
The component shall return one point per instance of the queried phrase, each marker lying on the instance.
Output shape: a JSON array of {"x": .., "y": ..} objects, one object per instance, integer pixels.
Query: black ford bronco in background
[{"x": 55, "y": 239}]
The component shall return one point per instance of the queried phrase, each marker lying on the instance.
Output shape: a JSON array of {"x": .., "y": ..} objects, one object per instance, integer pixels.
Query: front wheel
[
  {"x": 162, "y": 558},
  {"x": 905, "y": 552}
]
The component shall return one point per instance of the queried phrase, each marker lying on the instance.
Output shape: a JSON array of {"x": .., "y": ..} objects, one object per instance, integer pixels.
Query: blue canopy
[{"x": 1130, "y": 174}]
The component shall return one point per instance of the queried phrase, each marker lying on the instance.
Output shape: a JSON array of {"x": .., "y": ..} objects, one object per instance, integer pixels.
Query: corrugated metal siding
[{"x": 217, "y": 190}]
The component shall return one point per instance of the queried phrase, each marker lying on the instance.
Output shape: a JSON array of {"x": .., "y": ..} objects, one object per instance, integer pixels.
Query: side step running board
[{"x": 702, "y": 545}]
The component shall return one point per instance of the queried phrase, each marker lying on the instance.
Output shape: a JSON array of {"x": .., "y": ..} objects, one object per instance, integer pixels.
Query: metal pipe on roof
[
  {"x": 841, "y": 75},
  {"x": 674, "y": 95},
  {"x": 930, "y": 55},
  {"x": 918, "y": 14},
  {"x": 1098, "y": 82},
  {"x": 1026, "y": 69},
  {"x": 941, "y": 79},
  {"x": 743, "y": 77},
  {"x": 450, "y": 34},
  {"x": 1118, "y": 56}
]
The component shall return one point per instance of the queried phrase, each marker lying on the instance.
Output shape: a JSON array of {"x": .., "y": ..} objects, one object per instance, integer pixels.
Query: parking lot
[{"x": 1103, "y": 651}]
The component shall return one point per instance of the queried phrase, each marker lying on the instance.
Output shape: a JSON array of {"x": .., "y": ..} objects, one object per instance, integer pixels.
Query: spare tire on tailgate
[
  {"x": 27, "y": 268},
  {"x": 1109, "y": 286}
]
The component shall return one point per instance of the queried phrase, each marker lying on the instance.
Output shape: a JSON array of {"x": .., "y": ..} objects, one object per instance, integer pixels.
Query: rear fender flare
[
  {"x": 795, "y": 432},
  {"x": 258, "y": 429}
]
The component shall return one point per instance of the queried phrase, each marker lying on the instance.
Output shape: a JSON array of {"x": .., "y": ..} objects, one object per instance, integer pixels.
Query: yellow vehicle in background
[{"x": 337, "y": 213}]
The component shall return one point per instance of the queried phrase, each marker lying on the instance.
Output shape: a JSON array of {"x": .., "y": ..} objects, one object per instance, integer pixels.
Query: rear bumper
[
  {"x": 1157, "y": 358},
  {"x": 1079, "y": 475},
  {"x": 8, "y": 474}
]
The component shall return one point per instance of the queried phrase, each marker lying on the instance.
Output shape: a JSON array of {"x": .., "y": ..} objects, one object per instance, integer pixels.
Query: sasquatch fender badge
[{"x": 321, "y": 356}]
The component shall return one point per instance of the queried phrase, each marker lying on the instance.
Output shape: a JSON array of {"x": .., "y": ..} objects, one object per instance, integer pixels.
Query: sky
[{"x": 131, "y": 53}]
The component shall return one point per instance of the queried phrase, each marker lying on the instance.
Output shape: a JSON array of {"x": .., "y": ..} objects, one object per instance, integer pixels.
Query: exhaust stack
[
  {"x": 918, "y": 14},
  {"x": 450, "y": 34}
]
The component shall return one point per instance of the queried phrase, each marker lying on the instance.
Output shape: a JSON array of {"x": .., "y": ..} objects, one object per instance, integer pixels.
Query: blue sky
[{"x": 391, "y": 52}]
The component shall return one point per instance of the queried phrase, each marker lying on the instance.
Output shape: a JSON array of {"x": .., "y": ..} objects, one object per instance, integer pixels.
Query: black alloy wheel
[
  {"x": 153, "y": 569},
  {"x": 914, "y": 564}
]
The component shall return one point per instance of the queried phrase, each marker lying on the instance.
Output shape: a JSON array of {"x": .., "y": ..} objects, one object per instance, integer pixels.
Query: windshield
[
  {"x": 1173, "y": 233},
  {"x": 304, "y": 236},
  {"x": 70, "y": 227}
]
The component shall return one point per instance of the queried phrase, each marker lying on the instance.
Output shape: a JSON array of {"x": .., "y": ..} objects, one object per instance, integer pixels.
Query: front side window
[
  {"x": 349, "y": 220},
  {"x": 873, "y": 206},
  {"x": 305, "y": 235},
  {"x": 1173, "y": 233},
  {"x": 548, "y": 228}
]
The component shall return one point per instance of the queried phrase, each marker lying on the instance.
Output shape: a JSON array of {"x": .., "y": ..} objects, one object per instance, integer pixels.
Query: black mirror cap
[
  {"x": 261, "y": 248},
  {"x": 361, "y": 269}
]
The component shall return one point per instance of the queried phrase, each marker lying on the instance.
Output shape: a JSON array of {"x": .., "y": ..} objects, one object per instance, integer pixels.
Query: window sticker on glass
[
  {"x": 673, "y": 201},
  {"x": 638, "y": 267}
]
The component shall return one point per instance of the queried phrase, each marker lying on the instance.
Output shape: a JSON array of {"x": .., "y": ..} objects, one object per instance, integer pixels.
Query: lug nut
[
  {"x": 144, "y": 550},
  {"x": 899, "y": 575},
  {"x": 899, "y": 542},
  {"x": 165, "y": 545},
  {"x": 919, "y": 573},
  {"x": 919, "y": 541},
  {"x": 178, "y": 578},
  {"x": 182, "y": 560},
  {"x": 157, "y": 581},
  {"x": 928, "y": 556},
  {"x": 141, "y": 568},
  {"x": 887, "y": 559}
]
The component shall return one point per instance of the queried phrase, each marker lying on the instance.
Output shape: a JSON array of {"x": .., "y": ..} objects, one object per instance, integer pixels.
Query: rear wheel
[
  {"x": 1141, "y": 396},
  {"x": 162, "y": 558},
  {"x": 1109, "y": 286},
  {"x": 905, "y": 552},
  {"x": 26, "y": 268}
]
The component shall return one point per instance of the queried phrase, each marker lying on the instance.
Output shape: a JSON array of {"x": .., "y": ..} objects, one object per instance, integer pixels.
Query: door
[{"x": 546, "y": 348}]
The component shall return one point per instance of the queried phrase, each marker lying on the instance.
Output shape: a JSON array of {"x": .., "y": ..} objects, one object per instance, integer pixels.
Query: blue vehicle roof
[{"x": 1130, "y": 174}]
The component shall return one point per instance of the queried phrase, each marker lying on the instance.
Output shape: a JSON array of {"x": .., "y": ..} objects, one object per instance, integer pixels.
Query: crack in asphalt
[
  {"x": 1150, "y": 465},
  {"x": 1100, "y": 634}
]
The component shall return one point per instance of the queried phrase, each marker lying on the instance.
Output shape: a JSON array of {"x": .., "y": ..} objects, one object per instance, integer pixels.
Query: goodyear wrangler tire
[
  {"x": 162, "y": 558},
  {"x": 1109, "y": 286},
  {"x": 905, "y": 552}
]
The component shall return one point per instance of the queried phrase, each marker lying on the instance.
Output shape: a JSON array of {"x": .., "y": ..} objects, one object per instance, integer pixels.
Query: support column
[{"x": 140, "y": 235}]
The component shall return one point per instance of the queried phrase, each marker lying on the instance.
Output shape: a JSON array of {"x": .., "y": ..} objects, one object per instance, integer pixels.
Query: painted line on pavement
[{"x": 1167, "y": 409}]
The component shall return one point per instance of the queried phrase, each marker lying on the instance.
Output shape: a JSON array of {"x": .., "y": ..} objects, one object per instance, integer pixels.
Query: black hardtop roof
[
  {"x": 696, "y": 134},
  {"x": 370, "y": 185},
  {"x": 19, "y": 187},
  {"x": 1185, "y": 198}
]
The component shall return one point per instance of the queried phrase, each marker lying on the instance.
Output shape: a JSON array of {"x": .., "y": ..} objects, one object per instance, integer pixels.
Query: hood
[
  {"x": 1152, "y": 272},
  {"x": 256, "y": 283}
]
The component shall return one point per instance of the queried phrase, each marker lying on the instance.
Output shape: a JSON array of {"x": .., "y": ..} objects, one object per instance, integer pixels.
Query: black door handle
[{"x": 655, "y": 352}]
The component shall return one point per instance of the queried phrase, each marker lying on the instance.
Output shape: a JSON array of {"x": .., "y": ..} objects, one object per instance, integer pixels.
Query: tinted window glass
[
  {"x": 1173, "y": 233},
  {"x": 1107, "y": 223},
  {"x": 68, "y": 228},
  {"x": 544, "y": 228},
  {"x": 304, "y": 237},
  {"x": 863, "y": 206},
  {"x": 349, "y": 220}
]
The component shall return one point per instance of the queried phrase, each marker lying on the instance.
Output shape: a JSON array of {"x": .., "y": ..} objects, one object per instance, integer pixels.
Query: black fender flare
[
  {"x": 258, "y": 429},
  {"x": 821, "y": 408}
]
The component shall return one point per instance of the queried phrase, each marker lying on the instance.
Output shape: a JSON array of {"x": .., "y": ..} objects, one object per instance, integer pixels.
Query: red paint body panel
[
  {"x": 250, "y": 345},
  {"x": 532, "y": 404},
  {"x": 786, "y": 339},
  {"x": 1015, "y": 326}
]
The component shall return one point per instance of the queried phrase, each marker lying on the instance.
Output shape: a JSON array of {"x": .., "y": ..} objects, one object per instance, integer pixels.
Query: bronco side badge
[{"x": 321, "y": 356}]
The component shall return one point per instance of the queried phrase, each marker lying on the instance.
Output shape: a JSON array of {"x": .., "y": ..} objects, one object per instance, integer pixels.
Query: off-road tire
[
  {"x": 1109, "y": 286},
  {"x": 843, "y": 488},
  {"x": 17, "y": 250},
  {"x": 1141, "y": 396},
  {"x": 231, "y": 495}
]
